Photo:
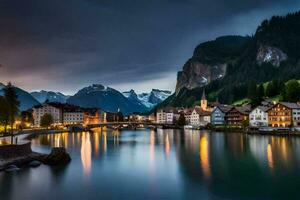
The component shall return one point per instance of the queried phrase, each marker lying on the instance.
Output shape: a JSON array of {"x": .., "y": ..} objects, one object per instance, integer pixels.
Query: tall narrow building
[{"x": 204, "y": 101}]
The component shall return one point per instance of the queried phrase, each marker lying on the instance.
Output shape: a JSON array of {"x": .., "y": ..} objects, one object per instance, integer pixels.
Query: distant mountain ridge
[
  {"x": 149, "y": 100},
  {"x": 43, "y": 95},
  {"x": 97, "y": 96},
  {"x": 106, "y": 98}
]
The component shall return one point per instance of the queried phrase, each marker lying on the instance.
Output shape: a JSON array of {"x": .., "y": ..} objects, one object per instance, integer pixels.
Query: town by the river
[{"x": 162, "y": 164}]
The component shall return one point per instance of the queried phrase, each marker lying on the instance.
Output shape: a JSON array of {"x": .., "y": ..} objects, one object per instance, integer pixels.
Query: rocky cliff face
[
  {"x": 197, "y": 74},
  {"x": 269, "y": 54},
  {"x": 209, "y": 61}
]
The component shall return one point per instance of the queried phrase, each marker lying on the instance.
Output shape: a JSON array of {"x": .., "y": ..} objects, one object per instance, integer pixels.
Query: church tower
[{"x": 203, "y": 101}]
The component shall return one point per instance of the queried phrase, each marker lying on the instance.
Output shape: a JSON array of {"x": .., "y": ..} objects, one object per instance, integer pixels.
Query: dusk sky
[{"x": 64, "y": 45}]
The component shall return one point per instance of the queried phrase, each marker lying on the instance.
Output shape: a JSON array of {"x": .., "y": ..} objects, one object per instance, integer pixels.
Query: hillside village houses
[
  {"x": 268, "y": 114},
  {"x": 236, "y": 116},
  {"x": 284, "y": 114},
  {"x": 218, "y": 114},
  {"x": 259, "y": 117}
]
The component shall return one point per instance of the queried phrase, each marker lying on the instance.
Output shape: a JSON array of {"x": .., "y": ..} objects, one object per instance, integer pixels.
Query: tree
[
  {"x": 12, "y": 105},
  {"x": 260, "y": 92},
  {"x": 271, "y": 89},
  {"x": 46, "y": 120},
  {"x": 4, "y": 113},
  {"x": 292, "y": 91},
  {"x": 253, "y": 93},
  {"x": 181, "y": 120}
]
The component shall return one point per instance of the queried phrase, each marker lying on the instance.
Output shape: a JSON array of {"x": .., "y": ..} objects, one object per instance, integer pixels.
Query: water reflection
[
  {"x": 270, "y": 156},
  {"x": 204, "y": 155},
  {"x": 167, "y": 145},
  {"x": 86, "y": 153},
  {"x": 222, "y": 165}
]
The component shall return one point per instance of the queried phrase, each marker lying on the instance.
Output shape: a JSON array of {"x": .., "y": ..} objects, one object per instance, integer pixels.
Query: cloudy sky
[{"x": 64, "y": 45}]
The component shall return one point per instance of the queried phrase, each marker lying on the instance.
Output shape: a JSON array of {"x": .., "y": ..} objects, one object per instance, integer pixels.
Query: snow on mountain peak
[{"x": 148, "y": 99}]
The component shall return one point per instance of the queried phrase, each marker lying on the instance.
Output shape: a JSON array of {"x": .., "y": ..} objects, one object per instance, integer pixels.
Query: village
[{"x": 269, "y": 116}]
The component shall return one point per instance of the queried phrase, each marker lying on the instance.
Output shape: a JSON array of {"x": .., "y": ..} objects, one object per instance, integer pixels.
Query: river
[{"x": 162, "y": 164}]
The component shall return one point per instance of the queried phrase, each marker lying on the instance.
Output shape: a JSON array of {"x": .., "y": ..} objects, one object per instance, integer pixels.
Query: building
[
  {"x": 236, "y": 116},
  {"x": 167, "y": 116},
  {"x": 94, "y": 116},
  {"x": 258, "y": 117},
  {"x": 114, "y": 117},
  {"x": 205, "y": 105},
  {"x": 218, "y": 114},
  {"x": 187, "y": 115},
  {"x": 203, "y": 102},
  {"x": 54, "y": 109},
  {"x": 296, "y": 116},
  {"x": 72, "y": 114},
  {"x": 199, "y": 117},
  {"x": 67, "y": 114},
  {"x": 75, "y": 117},
  {"x": 284, "y": 114}
]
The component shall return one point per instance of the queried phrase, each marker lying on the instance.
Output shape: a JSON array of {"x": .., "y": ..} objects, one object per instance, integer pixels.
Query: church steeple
[{"x": 203, "y": 101}]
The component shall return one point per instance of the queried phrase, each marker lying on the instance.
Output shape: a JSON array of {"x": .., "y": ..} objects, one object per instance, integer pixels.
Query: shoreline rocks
[{"x": 58, "y": 156}]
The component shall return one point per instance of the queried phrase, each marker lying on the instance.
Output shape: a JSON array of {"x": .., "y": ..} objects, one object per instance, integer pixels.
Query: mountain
[
  {"x": 43, "y": 95},
  {"x": 209, "y": 61},
  {"x": 227, "y": 66},
  {"x": 27, "y": 101},
  {"x": 105, "y": 98},
  {"x": 149, "y": 100}
]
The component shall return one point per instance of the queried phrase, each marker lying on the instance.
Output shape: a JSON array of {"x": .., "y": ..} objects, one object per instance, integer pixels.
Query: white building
[
  {"x": 54, "y": 109},
  {"x": 73, "y": 117},
  {"x": 160, "y": 117},
  {"x": 188, "y": 115},
  {"x": 199, "y": 117},
  {"x": 259, "y": 117},
  {"x": 296, "y": 116},
  {"x": 167, "y": 116},
  {"x": 61, "y": 113}
]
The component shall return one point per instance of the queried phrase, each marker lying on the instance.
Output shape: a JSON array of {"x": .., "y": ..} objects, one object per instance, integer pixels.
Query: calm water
[{"x": 167, "y": 164}]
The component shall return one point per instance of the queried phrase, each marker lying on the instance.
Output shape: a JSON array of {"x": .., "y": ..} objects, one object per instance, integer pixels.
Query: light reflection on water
[
  {"x": 163, "y": 164},
  {"x": 86, "y": 153}
]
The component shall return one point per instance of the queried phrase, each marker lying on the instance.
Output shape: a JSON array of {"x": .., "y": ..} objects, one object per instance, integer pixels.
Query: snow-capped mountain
[
  {"x": 149, "y": 100},
  {"x": 107, "y": 99},
  {"x": 27, "y": 101},
  {"x": 43, "y": 95}
]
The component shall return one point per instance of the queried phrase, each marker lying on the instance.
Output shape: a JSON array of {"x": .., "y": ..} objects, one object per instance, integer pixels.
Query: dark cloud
[{"x": 66, "y": 44}]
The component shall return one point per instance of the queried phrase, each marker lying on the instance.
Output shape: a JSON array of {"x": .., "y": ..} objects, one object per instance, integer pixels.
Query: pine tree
[
  {"x": 260, "y": 93},
  {"x": 12, "y": 104},
  {"x": 4, "y": 113},
  {"x": 253, "y": 93}
]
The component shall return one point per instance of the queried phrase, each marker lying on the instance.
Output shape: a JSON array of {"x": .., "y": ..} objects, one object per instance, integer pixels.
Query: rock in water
[
  {"x": 12, "y": 168},
  {"x": 35, "y": 163},
  {"x": 58, "y": 156}
]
